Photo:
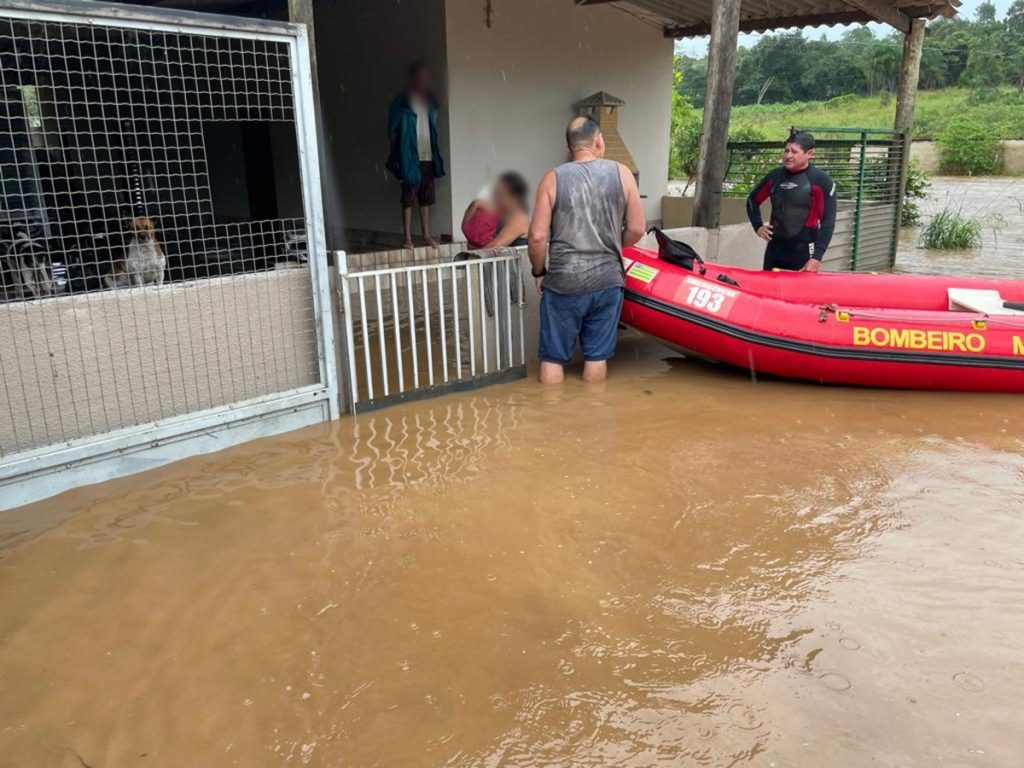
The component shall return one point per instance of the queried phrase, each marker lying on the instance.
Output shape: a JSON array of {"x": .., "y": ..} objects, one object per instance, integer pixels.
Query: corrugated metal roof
[{"x": 692, "y": 18}]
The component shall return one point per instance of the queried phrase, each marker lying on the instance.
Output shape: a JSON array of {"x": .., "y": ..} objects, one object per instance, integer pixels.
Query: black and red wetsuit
[{"x": 803, "y": 215}]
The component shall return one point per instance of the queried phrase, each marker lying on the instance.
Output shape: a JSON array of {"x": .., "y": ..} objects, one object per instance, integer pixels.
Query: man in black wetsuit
[{"x": 803, "y": 209}]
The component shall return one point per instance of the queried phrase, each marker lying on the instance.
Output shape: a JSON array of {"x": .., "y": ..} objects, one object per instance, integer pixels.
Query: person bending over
[
  {"x": 803, "y": 202},
  {"x": 500, "y": 219},
  {"x": 587, "y": 211}
]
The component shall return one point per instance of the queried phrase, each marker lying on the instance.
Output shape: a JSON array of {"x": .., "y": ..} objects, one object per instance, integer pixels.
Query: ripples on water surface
[
  {"x": 682, "y": 568},
  {"x": 1002, "y": 252}
]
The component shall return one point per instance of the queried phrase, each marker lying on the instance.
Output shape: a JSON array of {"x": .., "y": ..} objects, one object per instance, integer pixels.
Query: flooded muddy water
[
  {"x": 681, "y": 567},
  {"x": 999, "y": 201}
]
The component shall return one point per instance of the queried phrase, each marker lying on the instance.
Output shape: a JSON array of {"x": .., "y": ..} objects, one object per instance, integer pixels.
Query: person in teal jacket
[{"x": 415, "y": 159}]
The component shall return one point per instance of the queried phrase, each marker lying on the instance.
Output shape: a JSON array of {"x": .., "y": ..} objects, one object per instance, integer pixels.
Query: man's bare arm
[
  {"x": 636, "y": 224},
  {"x": 540, "y": 224}
]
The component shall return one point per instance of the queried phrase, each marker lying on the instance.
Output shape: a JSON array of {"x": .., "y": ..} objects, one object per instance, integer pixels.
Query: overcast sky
[{"x": 699, "y": 46}]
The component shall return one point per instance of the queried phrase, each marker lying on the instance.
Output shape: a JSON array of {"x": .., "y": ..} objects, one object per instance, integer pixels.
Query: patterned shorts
[{"x": 423, "y": 193}]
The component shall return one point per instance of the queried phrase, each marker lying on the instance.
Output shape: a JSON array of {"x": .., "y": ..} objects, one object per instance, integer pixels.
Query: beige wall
[
  {"x": 926, "y": 153},
  {"x": 512, "y": 88},
  {"x": 83, "y": 365},
  {"x": 364, "y": 48},
  {"x": 737, "y": 245},
  {"x": 677, "y": 211},
  {"x": 734, "y": 245},
  {"x": 1013, "y": 157}
]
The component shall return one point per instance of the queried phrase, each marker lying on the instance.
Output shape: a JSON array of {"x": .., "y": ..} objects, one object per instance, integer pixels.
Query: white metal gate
[
  {"x": 423, "y": 330},
  {"x": 165, "y": 288}
]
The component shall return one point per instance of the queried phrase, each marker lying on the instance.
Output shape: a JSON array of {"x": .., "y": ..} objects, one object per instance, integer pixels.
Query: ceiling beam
[{"x": 884, "y": 12}]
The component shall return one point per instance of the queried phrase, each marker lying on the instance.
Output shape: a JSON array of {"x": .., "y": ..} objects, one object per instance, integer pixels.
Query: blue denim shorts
[{"x": 592, "y": 317}]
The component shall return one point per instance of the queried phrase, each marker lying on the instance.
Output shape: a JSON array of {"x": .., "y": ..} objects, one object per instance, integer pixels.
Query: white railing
[{"x": 418, "y": 330}]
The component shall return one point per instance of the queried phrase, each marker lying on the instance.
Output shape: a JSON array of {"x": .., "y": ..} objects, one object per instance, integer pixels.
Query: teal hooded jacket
[{"x": 404, "y": 159}]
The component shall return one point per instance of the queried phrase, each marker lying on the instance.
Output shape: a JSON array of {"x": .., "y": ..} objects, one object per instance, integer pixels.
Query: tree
[
  {"x": 831, "y": 71},
  {"x": 986, "y": 13},
  {"x": 882, "y": 67},
  {"x": 933, "y": 68},
  {"x": 953, "y": 39},
  {"x": 692, "y": 81},
  {"x": 1015, "y": 17},
  {"x": 776, "y": 71},
  {"x": 685, "y": 135},
  {"x": 1015, "y": 44}
]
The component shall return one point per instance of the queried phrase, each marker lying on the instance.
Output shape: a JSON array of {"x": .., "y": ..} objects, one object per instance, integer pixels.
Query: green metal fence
[{"x": 866, "y": 165}]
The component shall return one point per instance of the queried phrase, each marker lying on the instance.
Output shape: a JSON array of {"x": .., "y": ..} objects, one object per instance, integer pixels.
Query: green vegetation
[
  {"x": 969, "y": 148},
  {"x": 952, "y": 230},
  {"x": 981, "y": 56},
  {"x": 747, "y": 166},
  {"x": 972, "y": 74},
  {"x": 1000, "y": 110},
  {"x": 918, "y": 184},
  {"x": 684, "y": 140}
]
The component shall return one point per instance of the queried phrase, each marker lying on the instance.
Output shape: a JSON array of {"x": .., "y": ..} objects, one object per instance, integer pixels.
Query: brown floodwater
[
  {"x": 999, "y": 202},
  {"x": 681, "y": 567}
]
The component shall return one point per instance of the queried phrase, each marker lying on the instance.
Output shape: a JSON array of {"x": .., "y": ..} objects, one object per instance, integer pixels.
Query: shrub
[
  {"x": 750, "y": 133},
  {"x": 918, "y": 184},
  {"x": 969, "y": 148},
  {"x": 951, "y": 230},
  {"x": 684, "y": 138},
  {"x": 910, "y": 215},
  {"x": 685, "y": 147},
  {"x": 748, "y": 165}
]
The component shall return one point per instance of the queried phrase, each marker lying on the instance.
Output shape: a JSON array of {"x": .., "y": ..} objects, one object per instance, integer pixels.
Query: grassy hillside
[{"x": 1002, "y": 109}]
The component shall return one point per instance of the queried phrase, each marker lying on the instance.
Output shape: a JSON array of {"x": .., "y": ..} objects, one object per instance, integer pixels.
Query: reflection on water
[
  {"x": 1002, "y": 252},
  {"x": 679, "y": 567}
]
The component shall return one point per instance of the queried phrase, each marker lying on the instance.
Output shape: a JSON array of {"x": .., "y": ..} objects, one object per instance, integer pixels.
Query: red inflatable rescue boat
[{"x": 876, "y": 330}]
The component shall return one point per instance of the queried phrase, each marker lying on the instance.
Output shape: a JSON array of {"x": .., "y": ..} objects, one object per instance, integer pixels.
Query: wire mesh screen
[
  {"x": 153, "y": 242},
  {"x": 866, "y": 167}
]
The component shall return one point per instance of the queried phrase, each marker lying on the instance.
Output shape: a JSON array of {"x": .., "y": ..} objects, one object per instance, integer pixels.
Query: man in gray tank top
[{"x": 587, "y": 211}]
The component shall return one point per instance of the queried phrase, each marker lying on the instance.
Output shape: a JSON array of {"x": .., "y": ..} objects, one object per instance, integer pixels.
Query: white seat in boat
[{"x": 975, "y": 300}]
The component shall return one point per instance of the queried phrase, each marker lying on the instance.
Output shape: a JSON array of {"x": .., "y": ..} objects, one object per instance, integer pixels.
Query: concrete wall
[
  {"x": 737, "y": 245},
  {"x": 364, "y": 48},
  {"x": 677, "y": 211},
  {"x": 926, "y": 153},
  {"x": 513, "y": 85},
  {"x": 83, "y": 365},
  {"x": 1013, "y": 157},
  {"x": 734, "y": 245}
]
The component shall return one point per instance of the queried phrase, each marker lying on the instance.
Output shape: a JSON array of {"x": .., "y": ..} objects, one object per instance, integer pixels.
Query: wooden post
[
  {"x": 910, "y": 73},
  {"x": 301, "y": 12},
  {"x": 725, "y": 27},
  {"x": 906, "y": 97}
]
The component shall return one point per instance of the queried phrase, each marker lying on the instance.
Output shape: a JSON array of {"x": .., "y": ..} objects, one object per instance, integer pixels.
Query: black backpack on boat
[{"x": 676, "y": 252}]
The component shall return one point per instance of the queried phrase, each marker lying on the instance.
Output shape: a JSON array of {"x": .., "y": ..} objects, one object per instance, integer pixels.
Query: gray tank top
[{"x": 585, "y": 249}]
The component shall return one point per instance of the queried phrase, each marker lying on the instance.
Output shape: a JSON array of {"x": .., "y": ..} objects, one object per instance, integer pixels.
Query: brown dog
[{"x": 144, "y": 260}]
